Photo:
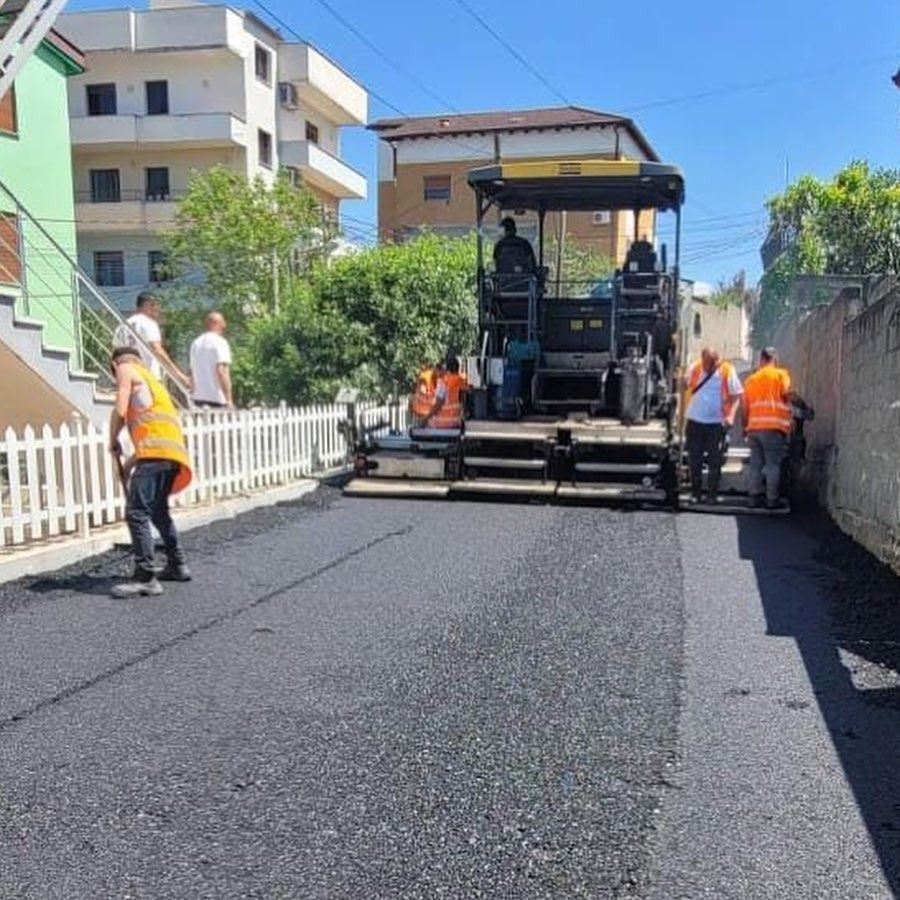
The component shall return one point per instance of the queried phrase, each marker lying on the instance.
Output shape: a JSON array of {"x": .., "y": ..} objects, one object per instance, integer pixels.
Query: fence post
[
  {"x": 283, "y": 453},
  {"x": 81, "y": 499}
]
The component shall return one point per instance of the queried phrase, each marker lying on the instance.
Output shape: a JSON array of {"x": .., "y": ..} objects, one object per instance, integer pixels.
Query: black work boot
[{"x": 175, "y": 570}]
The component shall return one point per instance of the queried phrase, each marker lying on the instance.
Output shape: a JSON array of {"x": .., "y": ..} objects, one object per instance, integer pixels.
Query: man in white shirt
[
  {"x": 211, "y": 365},
  {"x": 712, "y": 389},
  {"x": 144, "y": 322}
]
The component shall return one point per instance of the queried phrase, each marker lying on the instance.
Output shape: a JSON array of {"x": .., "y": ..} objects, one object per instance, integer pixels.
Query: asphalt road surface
[{"x": 386, "y": 699}]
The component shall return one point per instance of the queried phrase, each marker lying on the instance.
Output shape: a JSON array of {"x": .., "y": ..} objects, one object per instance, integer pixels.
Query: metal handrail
[{"x": 96, "y": 305}]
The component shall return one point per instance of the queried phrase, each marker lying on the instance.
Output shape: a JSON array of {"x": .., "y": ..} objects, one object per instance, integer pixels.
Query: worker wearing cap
[
  {"x": 712, "y": 391},
  {"x": 447, "y": 409},
  {"x": 768, "y": 420}
]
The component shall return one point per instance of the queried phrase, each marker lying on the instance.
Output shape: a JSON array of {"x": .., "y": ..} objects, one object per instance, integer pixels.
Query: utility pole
[{"x": 275, "y": 286}]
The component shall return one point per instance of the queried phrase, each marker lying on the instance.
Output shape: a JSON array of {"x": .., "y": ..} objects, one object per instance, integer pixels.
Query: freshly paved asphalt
[{"x": 385, "y": 699}]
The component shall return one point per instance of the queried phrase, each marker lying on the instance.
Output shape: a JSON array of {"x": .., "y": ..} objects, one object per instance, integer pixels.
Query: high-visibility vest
[
  {"x": 726, "y": 370},
  {"x": 423, "y": 393},
  {"x": 155, "y": 430},
  {"x": 766, "y": 407},
  {"x": 450, "y": 414}
]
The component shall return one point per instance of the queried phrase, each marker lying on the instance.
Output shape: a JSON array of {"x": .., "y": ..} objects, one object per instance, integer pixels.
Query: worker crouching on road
[
  {"x": 712, "y": 390},
  {"x": 446, "y": 411},
  {"x": 768, "y": 419},
  {"x": 159, "y": 468}
]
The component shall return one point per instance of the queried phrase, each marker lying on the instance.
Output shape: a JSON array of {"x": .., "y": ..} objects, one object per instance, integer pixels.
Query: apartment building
[
  {"x": 176, "y": 89},
  {"x": 423, "y": 162}
]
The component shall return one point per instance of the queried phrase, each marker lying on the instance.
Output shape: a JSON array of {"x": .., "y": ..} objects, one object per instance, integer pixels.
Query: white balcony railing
[
  {"x": 322, "y": 170},
  {"x": 187, "y": 129}
]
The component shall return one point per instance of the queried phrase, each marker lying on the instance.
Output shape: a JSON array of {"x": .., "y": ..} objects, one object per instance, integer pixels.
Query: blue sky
[{"x": 799, "y": 82}]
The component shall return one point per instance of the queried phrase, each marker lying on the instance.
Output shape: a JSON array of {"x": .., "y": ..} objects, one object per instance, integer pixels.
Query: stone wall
[{"x": 845, "y": 361}]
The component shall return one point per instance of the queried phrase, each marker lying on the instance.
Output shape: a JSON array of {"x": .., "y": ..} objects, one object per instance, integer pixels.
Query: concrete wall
[
  {"x": 726, "y": 330},
  {"x": 845, "y": 360}
]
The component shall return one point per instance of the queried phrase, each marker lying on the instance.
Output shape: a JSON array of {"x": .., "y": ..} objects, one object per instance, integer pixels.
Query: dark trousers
[
  {"x": 704, "y": 441},
  {"x": 148, "y": 502}
]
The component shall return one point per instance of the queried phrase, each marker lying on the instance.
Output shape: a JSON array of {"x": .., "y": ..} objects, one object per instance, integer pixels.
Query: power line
[
  {"x": 464, "y": 5},
  {"x": 755, "y": 85},
  {"x": 402, "y": 70}
]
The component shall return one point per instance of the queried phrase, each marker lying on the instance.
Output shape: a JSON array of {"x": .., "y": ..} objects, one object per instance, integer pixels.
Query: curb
[{"x": 49, "y": 557}]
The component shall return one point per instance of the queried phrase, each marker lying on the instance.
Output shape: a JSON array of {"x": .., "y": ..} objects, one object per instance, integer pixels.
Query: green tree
[
  {"x": 849, "y": 225},
  {"x": 732, "y": 292},
  {"x": 242, "y": 243},
  {"x": 370, "y": 319},
  {"x": 582, "y": 265}
]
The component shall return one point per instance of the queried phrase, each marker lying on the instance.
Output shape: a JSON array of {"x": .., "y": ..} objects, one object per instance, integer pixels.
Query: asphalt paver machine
[{"x": 573, "y": 389}]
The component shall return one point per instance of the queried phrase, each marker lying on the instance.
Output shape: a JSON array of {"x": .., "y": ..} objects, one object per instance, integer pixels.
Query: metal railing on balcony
[
  {"x": 129, "y": 196},
  {"x": 50, "y": 286}
]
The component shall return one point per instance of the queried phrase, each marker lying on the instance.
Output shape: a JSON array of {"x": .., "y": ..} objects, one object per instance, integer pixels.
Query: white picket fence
[{"x": 65, "y": 481}]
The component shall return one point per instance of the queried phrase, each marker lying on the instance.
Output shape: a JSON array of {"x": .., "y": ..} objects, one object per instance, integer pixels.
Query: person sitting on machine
[
  {"x": 421, "y": 399},
  {"x": 446, "y": 411},
  {"x": 641, "y": 257},
  {"x": 513, "y": 255}
]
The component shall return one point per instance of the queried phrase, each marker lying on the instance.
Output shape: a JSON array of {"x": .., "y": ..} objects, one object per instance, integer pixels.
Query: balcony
[
  {"x": 196, "y": 27},
  {"x": 322, "y": 85},
  {"x": 174, "y": 131},
  {"x": 133, "y": 212},
  {"x": 322, "y": 170}
]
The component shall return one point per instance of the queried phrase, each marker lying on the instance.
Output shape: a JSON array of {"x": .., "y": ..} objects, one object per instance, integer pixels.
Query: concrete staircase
[{"x": 54, "y": 365}]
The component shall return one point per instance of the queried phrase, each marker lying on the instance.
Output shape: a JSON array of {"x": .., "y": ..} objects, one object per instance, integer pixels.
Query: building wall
[
  {"x": 726, "y": 330},
  {"x": 36, "y": 165},
  {"x": 182, "y": 165},
  {"x": 200, "y": 81},
  {"x": 402, "y": 168}
]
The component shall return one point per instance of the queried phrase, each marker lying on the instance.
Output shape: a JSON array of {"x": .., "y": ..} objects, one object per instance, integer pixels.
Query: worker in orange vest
[
  {"x": 768, "y": 419},
  {"x": 159, "y": 467},
  {"x": 422, "y": 398},
  {"x": 712, "y": 391},
  {"x": 447, "y": 409}
]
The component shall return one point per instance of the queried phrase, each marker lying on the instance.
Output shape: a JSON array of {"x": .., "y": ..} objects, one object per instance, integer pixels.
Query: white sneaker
[{"x": 137, "y": 588}]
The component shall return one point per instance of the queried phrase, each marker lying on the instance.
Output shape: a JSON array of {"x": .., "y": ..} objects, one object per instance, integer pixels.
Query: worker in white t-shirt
[
  {"x": 211, "y": 365},
  {"x": 712, "y": 389},
  {"x": 144, "y": 322}
]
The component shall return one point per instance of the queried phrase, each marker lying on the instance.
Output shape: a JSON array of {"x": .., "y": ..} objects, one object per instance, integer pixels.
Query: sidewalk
[{"x": 58, "y": 552}]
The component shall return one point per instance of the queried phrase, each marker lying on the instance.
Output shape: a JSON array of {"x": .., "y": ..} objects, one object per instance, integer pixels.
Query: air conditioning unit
[
  {"x": 602, "y": 217},
  {"x": 287, "y": 95}
]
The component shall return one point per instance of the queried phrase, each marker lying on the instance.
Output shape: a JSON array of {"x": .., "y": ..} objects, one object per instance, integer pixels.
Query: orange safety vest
[
  {"x": 766, "y": 407},
  {"x": 156, "y": 430},
  {"x": 450, "y": 414},
  {"x": 726, "y": 370},
  {"x": 423, "y": 393}
]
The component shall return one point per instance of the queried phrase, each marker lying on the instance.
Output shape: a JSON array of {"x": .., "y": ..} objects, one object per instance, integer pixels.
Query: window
[
  {"x": 105, "y": 186},
  {"x": 157, "y": 98},
  {"x": 602, "y": 217},
  {"x": 265, "y": 148},
  {"x": 293, "y": 176},
  {"x": 9, "y": 122},
  {"x": 437, "y": 187},
  {"x": 10, "y": 261},
  {"x": 101, "y": 99},
  {"x": 158, "y": 266},
  {"x": 698, "y": 325},
  {"x": 312, "y": 133},
  {"x": 157, "y": 183},
  {"x": 263, "y": 64},
  {"x": 109, "y": 268}
]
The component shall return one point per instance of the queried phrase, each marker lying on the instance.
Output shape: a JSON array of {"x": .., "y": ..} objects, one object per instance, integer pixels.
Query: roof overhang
[{"x": 580, "y": 184}]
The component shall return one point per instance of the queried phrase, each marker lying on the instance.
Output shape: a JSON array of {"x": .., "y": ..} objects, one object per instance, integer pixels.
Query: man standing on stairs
[
  {"x": 144, "y": 322},
  {"x": 159, "y": 467}
]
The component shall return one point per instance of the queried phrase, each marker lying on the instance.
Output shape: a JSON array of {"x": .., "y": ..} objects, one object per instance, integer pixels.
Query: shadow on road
[{"x": 843, "y": 609}]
